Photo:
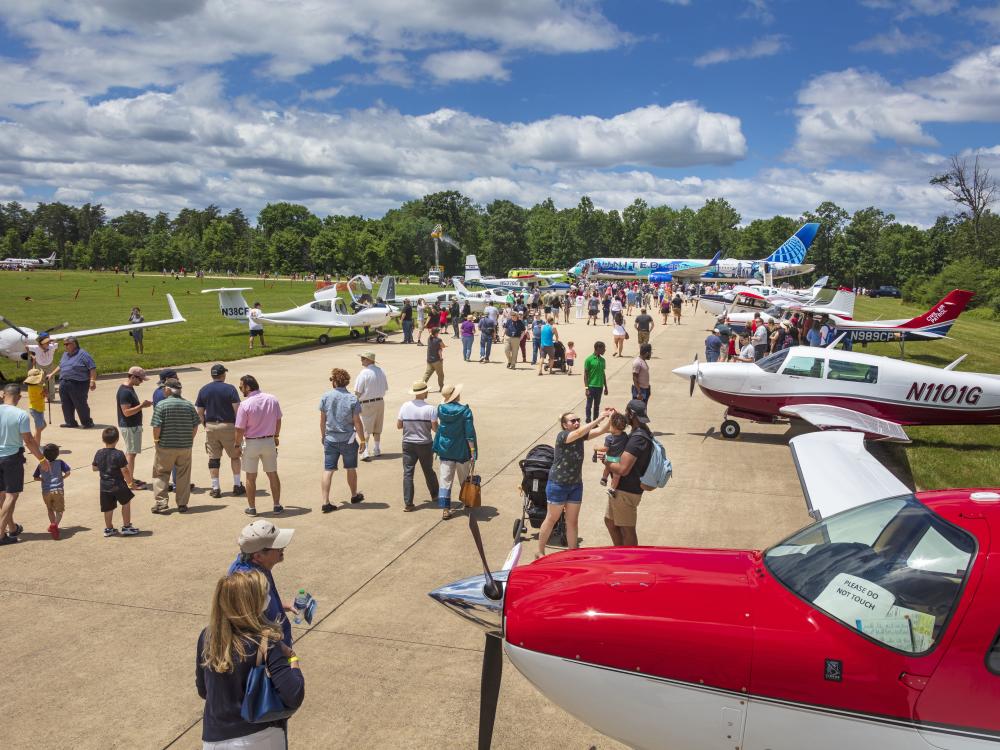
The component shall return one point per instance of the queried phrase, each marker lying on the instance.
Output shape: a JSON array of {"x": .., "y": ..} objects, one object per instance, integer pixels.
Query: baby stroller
[
  {"x": 535, "y": 469},
  {"x": 558, "y": 357}
]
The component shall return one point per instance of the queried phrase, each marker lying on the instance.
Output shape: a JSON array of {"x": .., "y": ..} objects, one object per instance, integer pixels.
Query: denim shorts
[
  {"x": 38, "y": 418},
  {"x": 560, "y": 494},
  {"x": 332, "y": 452}
]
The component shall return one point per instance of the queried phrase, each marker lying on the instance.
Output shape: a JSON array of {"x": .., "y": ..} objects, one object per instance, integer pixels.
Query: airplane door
[{"x": 964, "y": 690}]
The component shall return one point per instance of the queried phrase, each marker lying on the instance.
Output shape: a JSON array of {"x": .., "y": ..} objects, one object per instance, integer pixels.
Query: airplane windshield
[
  {"x": 892, "y": 570},
  {"x": 773, "y": 362}
]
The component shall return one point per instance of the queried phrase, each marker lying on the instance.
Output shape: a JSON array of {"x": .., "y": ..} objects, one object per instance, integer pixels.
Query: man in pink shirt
[{"x": 258, "y": 424}]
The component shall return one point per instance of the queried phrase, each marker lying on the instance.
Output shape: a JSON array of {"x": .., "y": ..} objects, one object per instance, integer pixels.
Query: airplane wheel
[
  {"x": 518, "y": 530},
  {"x": 354, "y": 334},
  {"x": 324, "y": 339},
  {"x": 730, "y": 429}
]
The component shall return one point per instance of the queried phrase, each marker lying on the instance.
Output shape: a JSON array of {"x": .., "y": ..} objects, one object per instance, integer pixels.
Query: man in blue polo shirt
[
  {"x": 77, "y": 376},
  {"x": 217, "y": 403},
  {"x": 262, "y": 546}
]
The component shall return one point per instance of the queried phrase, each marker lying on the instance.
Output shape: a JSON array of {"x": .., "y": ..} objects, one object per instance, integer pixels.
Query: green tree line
[{"x": 864, "y": 249}]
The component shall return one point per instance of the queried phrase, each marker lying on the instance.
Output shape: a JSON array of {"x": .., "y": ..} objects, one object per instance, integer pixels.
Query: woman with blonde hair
[{"x": 227, "y": 652}]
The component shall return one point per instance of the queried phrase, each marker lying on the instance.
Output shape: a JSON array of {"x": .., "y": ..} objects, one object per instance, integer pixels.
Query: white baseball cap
[{"x": 261, "y": 535}]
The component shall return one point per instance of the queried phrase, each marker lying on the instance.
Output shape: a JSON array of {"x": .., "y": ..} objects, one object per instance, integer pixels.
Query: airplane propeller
[
  {"x": 56, "y": 327},
  {"x": 489, "y": 684},
  {"x": 694, "y": 377},
  {"x": 16, "y": 328}
]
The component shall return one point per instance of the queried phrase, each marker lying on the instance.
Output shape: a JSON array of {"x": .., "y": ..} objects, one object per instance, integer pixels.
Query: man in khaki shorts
[
  {"x": 623, "y": 503},
  {"x": 217, "y": 403},
  {"x": 370, "y": 387},
  {"x": 175, "y": 423},
  {"x": 258, "y": 422}
]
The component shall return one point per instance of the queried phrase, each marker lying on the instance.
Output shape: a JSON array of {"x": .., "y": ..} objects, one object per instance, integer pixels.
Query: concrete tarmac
[{"x": 100, "y": 634}]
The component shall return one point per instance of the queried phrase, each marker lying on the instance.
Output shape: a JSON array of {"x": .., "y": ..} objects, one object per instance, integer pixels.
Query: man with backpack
[{"x": 623, "y": 503}]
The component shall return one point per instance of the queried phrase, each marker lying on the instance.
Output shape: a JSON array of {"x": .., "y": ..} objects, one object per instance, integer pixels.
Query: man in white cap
[
  {"x": 129, "y": 409},
  {"x": 262, "y": 546},
  {"x": 418, "y": 421},
  {"x": 370, "y": 387}
]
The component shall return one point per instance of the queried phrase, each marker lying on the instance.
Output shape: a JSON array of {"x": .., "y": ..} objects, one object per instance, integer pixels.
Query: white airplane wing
[
  {"x": 827, "y": 417},
  {"x": 837, "y": 473},
  {"x": 330, "y": 323},
  {"x": 175, "y": 317}
]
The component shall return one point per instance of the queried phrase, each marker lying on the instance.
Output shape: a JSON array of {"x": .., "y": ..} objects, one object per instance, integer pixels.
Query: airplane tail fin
[
  {"x": 793, "y": 250},
  {"x": 843, "y": 302},
  {"x": 715, "y": 258},
  {"x": 816, "y": 288},
  {"x": 472, "y": 268},
  {"x": 459, "y": 286},
  {"x": 942, "y": 315},
  {"x": 231, "y": 302},
  {"x": 175, "y": 313},
  {"x": 387, "y": 289}
]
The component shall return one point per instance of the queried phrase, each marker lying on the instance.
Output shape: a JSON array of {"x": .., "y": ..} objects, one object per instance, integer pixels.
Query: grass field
[
  {"x": 40, "y": 299},
  {"x": 938, "y": 456}
]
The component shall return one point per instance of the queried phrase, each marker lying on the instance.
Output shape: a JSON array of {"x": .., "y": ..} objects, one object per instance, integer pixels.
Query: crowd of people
[{"x": 763, "y": 337}]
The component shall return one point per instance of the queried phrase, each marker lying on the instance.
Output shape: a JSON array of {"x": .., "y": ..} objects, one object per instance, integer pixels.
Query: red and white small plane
[
  {"x": 841, "y": 305},
  {"x": 875, "y": 627},
  {"x": 841, "y": 390}
]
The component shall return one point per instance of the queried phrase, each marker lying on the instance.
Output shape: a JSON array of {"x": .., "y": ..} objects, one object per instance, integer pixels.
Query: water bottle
[{"x": 299, "y": 606}]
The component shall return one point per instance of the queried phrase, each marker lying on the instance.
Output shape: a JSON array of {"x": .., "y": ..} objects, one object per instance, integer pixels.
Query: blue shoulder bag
[{"x": 261, "y": 702}]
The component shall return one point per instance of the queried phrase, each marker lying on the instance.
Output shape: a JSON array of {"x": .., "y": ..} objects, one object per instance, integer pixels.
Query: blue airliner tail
[
  {"x": 794, "y": 248},
  {"x": 715, "y": 258}
]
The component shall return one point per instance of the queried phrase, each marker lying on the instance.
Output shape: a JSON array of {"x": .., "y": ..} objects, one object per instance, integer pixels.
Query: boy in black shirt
[{"x": 115, "y": 481}]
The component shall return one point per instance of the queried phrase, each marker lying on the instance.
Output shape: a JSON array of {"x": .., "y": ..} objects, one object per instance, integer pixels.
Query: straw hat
[
  {"x": 35, "y": 377},
  {"x": 419, "y": 386},
  {"x": 451, "y": 393}
]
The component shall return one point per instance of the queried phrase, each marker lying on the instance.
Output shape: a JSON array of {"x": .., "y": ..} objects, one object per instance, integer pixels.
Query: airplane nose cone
[
  {"x": 468, "y": 600},
  {"x": 686, "y": 371}
]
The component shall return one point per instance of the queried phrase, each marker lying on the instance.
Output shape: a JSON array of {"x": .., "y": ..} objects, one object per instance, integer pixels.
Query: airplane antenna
[{"x": 956, "y": 363}]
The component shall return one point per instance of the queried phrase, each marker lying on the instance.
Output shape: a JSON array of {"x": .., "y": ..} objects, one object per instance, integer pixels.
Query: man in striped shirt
[{"x": 175, "y": 423}]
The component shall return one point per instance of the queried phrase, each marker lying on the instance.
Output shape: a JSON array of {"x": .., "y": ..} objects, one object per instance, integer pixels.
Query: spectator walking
[
  {"x": 342, "y": 432},
  {"x": 115, "y": 479},
  {"x": 52, "y": 482},
  {"x": 487, "y": 332},
  {"x": 641, "y": 389},
  {"x": 564, "y": 490},
  {"x": 370, "y": 387},
  {"x": 548, "y": 337},
  {"x": 713, "y": 346},
  {"x": 237, "y": 637},
  {"x": 454, "y": 313},
  {"x": 406, "y": 320},
  {"x": 136, "y": 333},
  {"x": 258, "y": 432},
  {"x": 643, "y": 326},
  {"x": 129, "y": 409},
  {"x": 595, "y": 380},
  {"x": 15, "y": 436},
  {"x": 262, "y": 546},
  {"x": 256, "y": 324},
  {"x": 606, "y": 308},
  {"x": 175, "y": 423},
  {"x": 593, "y": 305},
  {"x": 435, "y": 358},
  {"x": 619, "y": 334},
  {"x": 421, "y": 319},
  {"x": 468, "y": 332},
  {"x": 418, "y": 421},
  {"x": 536, "y": 337},
  {"x": 570, "y": 357},
  {"x": 621, "y": 515},
  {"x": 77, "y": 376},
  {"x": 514, "y": 330},
  {"x": 216, "y": 404},
  {"x": 677, "y": 305},
  {"x": 455, "y": 444}
]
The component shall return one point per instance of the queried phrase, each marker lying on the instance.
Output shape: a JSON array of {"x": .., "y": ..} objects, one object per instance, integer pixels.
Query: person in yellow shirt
[{"x": 36, "y": 401}]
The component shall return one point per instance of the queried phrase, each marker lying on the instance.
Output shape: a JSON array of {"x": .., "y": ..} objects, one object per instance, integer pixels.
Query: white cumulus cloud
[
  {"x": 466, "y": 65},
  {"x": 763, "y": 47}
]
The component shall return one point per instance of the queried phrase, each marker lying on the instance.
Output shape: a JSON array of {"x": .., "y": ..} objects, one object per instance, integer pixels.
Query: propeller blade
[
  {"x": 56, "y": 327},
  {"x": 491, "y": 589},
  {"x": 694, "y": 377},
  {"x": 489, "y": 689},
  {"x": 11, "y": 325}
]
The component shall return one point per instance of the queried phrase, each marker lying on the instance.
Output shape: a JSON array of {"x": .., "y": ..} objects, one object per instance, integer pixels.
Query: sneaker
[
  {"x": 328, "y": 507},
  {"x": 158, "y": 509},
  {"x": 182, "y": 509},
  {"x": 376, "y": 451},
  {"x": 239, "y": 490},
  {"x": 250, "y": 511},
  {"x": 53, "y": 531},
  {"x": 129, "y": 530},
  {"x": 215, "y": 492},
  {"x": 18, "y": 528},
  {"x": 366, "y": 457},
  {"x": 604, "y": 482},
  {"x": 8, "y": 539},
  {"x": 409, "y": 508},
  {"x": 69, "y": 426},
  {"x": 279, "y": 509},
  {"x": 359, "y": 498},
  {"x": 110, "y": 532}
]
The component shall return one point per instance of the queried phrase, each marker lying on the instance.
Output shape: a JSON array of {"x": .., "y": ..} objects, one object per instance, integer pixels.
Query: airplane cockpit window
[
  {"x": 805, "y": 367},
  {"x": 772, "y": 362},
  {"x": 892, "y": 570},
  {"x": 323, "y": 304},
  {"x": 854, "y": 372},
  {"x": 340, "y": 307}
]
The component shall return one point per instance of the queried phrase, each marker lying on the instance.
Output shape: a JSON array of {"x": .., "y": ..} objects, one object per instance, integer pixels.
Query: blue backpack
[{"x": 659, "y": 470}]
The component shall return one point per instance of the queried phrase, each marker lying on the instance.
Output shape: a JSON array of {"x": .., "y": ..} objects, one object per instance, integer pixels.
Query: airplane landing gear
[
  {"x": 354, "y": 334},
  {"x": 730, "y": 429},
  {"x": 324, "y": 339}
]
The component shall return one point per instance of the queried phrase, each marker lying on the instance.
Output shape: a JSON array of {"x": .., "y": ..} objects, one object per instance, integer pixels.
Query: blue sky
[{"x": 353, "y": 108}]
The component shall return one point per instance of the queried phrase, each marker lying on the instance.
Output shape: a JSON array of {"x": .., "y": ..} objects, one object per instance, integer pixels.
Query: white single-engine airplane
[
  {"x": 387, "y": 293},
  {"x": 841, "y": 390},
  {"x": 521, "y": 284},
  {"x": 328, "y": 311},
  {"x": 28, "y": 263},
  {"x": 14, "y": 337},
  {"x": 873, "y": 628}
]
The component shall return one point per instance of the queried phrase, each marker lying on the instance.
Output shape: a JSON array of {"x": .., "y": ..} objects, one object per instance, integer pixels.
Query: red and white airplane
[
  {"x": 841, "y": 305},
  {"x": 876, "y": 627},
  {"x": 841, "y": 390}
]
